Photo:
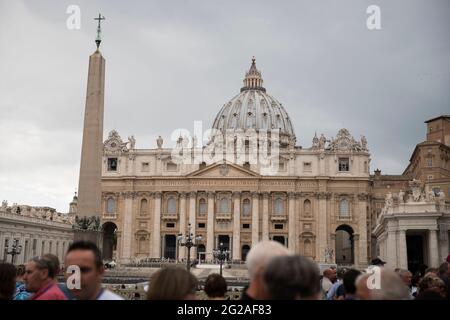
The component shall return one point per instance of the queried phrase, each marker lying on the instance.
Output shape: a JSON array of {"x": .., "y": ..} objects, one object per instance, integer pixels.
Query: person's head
[
  {"x": 378, "y": 262},
  {"x": 257, "y": 259},
  {"x": 387, "y": 285},
  {"x": 20, "y": 272},
  {"x": 215, "y": 286},
  {"x": 7, "y": 281},
  {"x": 349, "y": 280},
  {"x": 54, "y": 261},
  {"x": 406, "y": 276},
  {"x": 340, "y": 272},
  {"x": 362, "y": 289},
  {"x": 172, "y": 283},
  {"x": 444, "y": 270},
  {"x": 39, "y": 271},
  {"x": 88, "y": 258},
  {"x": 432, "y": 270},
  {"x": 292, "y": 277},
  {"x": 431, "y": 282},
  {"x": 331, "y": 274}
]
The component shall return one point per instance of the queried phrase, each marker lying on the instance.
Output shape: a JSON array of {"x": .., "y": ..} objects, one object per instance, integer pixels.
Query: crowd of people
[{"x": 274, "y": 273}]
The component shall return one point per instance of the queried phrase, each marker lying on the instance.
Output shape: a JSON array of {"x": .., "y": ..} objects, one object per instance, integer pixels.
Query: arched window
[
  {"x": 246, "y": 207},
  {"x": 344, "y": 208},
  {"x": 278, "y": 206},
  {"x": 202, "y": 206},
  {"x": 307, "y": 207},
  {"x": 110, "y": 205},
  {"x": 345, "y": 247},
  {"x": 171, "y": 205},
  {"x": 224, "y": 205},
  {"x": 144, "y": 206}
]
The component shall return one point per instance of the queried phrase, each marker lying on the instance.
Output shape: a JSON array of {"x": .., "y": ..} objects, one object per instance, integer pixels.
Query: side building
[
  {"x": 411, "y": 212},
  {"x": 32, "y": 231}
]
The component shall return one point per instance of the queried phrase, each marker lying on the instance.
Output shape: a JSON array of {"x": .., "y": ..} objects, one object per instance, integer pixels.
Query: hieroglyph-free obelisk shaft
[{"x": 89, "y": 188}]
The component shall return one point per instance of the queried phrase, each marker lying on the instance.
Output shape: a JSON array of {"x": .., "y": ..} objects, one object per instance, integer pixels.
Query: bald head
[{"x": 330, "y": 274}]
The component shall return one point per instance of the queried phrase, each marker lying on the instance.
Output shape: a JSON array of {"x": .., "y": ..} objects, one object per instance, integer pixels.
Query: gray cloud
[{"x": 170, "y": 63}]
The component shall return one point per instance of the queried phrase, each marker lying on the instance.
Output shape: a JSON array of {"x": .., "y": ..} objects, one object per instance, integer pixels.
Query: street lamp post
[
  {"x": 221, "y": 255},
  {"x": 188, "y": 241},
  {"x": 14, "y": 250}
]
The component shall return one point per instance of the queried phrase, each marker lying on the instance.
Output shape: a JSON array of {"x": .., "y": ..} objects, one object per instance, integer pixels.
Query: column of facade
[
  {"x": 181, "y": 252},
  {"x": 433, "y": 251},
  {"x": 291, "y": 222},
  {"x": 237, "y": 226},
  {"x": 38, "y": 245},
  {"x": 443, "y": 242},
  {"x": 127, "y": 236},
  {"x": 210, "y": 227},
  {"x": 255, "y": 218},
  {"x": 356, "y": 246},
  {"x": 362, "y": 226},
  {"x": 2, "y": 246},
  {"x": 156, "y": 238},
  {"x": 402, "y": 256},
  {"x": 192, "y": 214},
  {"x": 321, "y": 227},
  {"x": 265, "y": 217},
  {"x": 391, "y": 249}
]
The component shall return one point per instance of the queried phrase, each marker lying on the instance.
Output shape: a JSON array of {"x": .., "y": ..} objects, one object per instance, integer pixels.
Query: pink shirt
[{"x": 49, "y": 292}]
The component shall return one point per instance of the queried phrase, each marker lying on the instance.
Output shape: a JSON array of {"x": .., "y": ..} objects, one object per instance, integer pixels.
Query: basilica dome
[{"x": 254, "y": 109}]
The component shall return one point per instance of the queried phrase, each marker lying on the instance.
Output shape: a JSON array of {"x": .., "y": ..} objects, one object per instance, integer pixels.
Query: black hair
[
  {"x": 88, "y": 245},
  {"x": 349, "y": 280}
]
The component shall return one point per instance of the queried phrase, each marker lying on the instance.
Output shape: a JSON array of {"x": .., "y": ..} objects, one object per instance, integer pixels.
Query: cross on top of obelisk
[{"x": 98, "y": 40}]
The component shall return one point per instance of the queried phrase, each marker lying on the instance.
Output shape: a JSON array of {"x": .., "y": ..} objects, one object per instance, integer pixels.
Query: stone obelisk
[{"x": 89, "y": 188}]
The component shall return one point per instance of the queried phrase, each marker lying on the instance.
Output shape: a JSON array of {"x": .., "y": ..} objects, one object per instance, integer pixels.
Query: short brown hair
[
  {"x": 171, "y": 283},
  {"x": 215, "y": 286}
]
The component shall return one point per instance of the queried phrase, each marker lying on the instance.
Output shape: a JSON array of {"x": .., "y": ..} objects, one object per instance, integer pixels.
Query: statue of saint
[
  {"x": 322, "y": 141},
  {"x": 315, "y": 142},
  {"x": 132, "y": 142},
  {"x": 328, "y": 255},
  {"x": 159, "y": 142},
  {"x": 363, "y": 143},
  {"x": 401, "y": 196},
  {"x": 389, "y": 201}
]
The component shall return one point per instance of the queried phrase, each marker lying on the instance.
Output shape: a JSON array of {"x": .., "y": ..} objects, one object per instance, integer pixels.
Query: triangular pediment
[{"x": 223, "y": 170}]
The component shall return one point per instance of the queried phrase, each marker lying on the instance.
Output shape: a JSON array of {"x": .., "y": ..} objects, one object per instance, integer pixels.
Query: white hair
[
  {"x": 260, "y": 255},
  {"x": 391, "y": 287}
]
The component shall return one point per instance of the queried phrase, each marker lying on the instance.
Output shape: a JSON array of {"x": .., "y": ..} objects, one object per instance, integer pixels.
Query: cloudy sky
[{"x": 170, "y": 63}]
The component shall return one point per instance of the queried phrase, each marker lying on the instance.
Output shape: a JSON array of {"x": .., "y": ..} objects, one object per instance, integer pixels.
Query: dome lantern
[{"x": 253, "y": 79}]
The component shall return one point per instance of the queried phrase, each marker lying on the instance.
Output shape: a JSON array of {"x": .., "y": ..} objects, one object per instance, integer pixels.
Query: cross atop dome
[{"x": 253, "y": 79}]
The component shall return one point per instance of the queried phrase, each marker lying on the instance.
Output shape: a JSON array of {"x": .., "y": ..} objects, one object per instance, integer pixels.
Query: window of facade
[
  {"x": 344, "y": 210},
  {"x": 112, "y": 164},
  {"x": 110, "y": 206},
  {"x": 344, "y": 164}
]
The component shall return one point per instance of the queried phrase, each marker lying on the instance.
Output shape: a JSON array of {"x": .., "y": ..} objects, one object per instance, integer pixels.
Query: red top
[{"x": 49, "y": 292}]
